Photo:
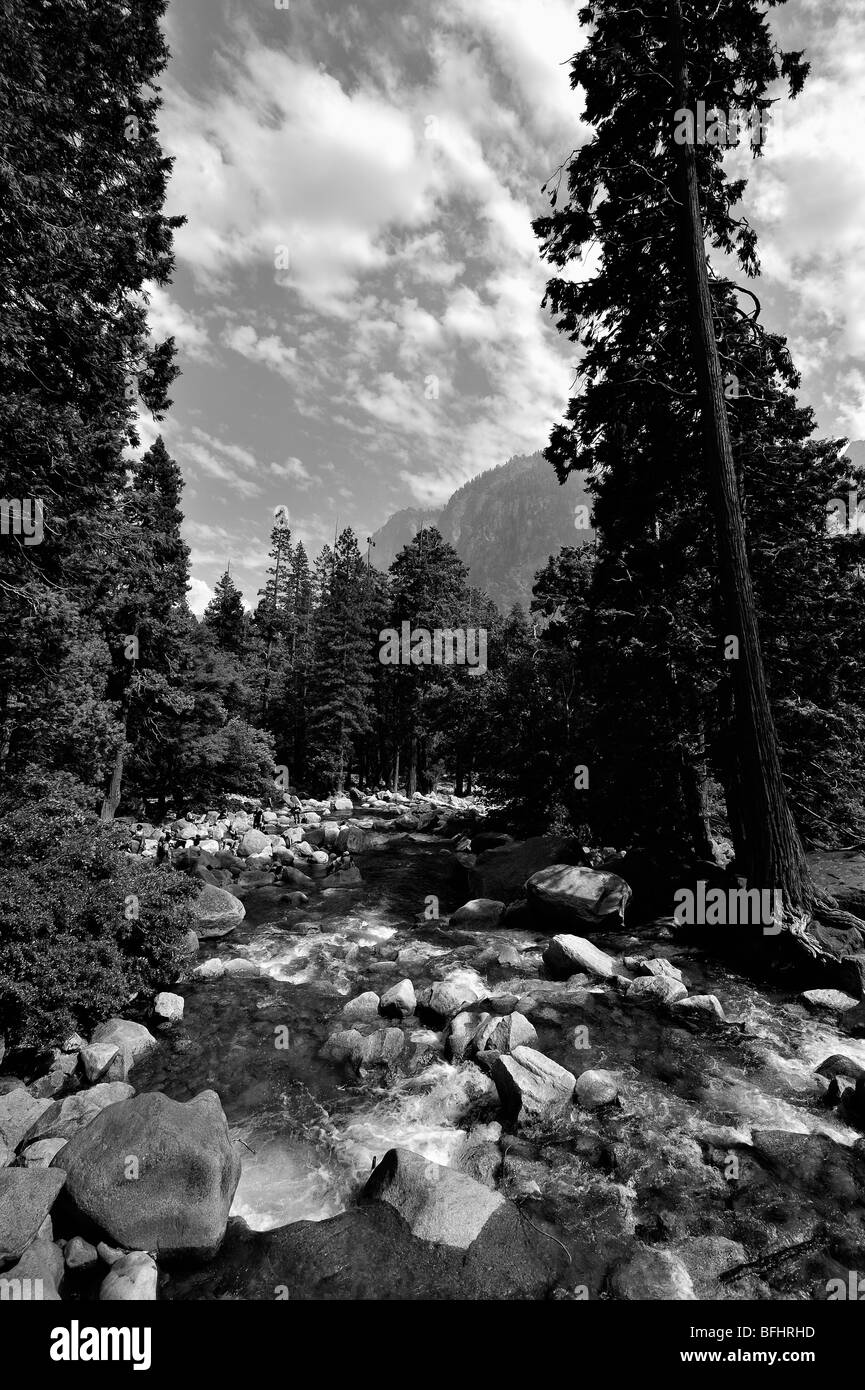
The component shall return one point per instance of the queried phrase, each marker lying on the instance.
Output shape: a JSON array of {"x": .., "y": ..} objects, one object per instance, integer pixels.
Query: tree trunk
[
  {"x": 395, "y": 787},
  {"x": 769, "y": 853},
  {"x": 111, "y": 799},
  {"x": 411, "y": 777}
]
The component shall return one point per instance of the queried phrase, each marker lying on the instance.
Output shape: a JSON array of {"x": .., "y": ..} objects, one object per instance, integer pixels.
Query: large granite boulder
[
  {"x": 217, "y": 912},
  {"x": 156, "y": 1174},
  {"x": 573, "y": 893},
  {"x": 531, "y": 1086},
  {"x": 437, "y": 1203},
  {"x": 501, "y": 873},
  {"x": 480, "y": 912}
]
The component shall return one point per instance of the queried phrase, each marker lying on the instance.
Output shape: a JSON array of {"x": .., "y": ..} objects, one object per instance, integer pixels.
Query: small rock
[
  {"x": 701, "y": 1004},
  {"x": 80, "y": 1254},
  {"x": 109, "y": 1254},
  {"x": 40, "y": 1154},
  {"x": 362, "y": 1009},
  {"x": 655, "y": 989},
  {"x": 168, "y": 1007},
  {"x": 241, "y": 966},
  {"x": 653, "y": 1275},
  {"x": 831, "y": 1000},
  {"x": 96, "y": 1058},
  {"x": 399, "y": 1001},
  {"x": 134, "y": 1040},
  {"x": 503, "y": 1034},
  {"x": 570, "y": 955},
  {"x": 132, "y": 1279},
  {"x": 596, "y": 1087},
  {"x": 212, "y": 969}
]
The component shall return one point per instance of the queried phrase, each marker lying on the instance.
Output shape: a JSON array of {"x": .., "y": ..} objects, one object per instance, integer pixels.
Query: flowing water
[{"x": 310, "y": 1129}]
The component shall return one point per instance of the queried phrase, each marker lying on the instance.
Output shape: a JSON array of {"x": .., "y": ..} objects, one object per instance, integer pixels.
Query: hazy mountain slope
[{"x": 504, "y": 525}]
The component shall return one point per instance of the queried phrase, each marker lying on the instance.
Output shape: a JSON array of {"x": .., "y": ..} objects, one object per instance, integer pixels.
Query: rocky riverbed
[{"x": 456, "y": 1066}]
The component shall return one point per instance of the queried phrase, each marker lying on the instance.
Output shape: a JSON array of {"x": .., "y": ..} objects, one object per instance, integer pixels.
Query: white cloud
[{"x": 199, "y": 595}]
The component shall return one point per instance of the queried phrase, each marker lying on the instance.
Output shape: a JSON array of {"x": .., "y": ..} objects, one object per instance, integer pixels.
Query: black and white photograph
[{"x": 432, "y": 714}]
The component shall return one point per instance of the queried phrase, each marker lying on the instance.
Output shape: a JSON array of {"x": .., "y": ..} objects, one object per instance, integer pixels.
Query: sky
[{"x": 357, "y": 294}]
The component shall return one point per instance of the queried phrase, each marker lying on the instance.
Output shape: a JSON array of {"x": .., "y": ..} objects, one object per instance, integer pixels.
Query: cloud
[
  {"x": 270, "y": 351},
  {"x": 167, "y": 318},
  {"x": 291, "y": 469},
  {"x": 199, "y": 596}
]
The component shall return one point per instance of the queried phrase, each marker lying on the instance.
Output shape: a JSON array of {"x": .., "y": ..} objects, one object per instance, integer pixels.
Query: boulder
[
  {"x": 131, "y": 1279},
  {"x": 399, "y": 1001},
  {"x": 19, "y": 1111},
  {"x": 350, "y": 838},
  {"x": 839, "y": 1065},
  {"x": 438, "y": 1204},
  {"x": 462, "y": 1030},
  {"x": 382, "y": 1048},
  {"x": 707, "y": 1004},
  {"x": 26, "y": 1198},
  {"x": 168, "y": 1007},
  {"x": 255, "y": 878},
  {"x": 655, "y": 989},
  {"x": 253, "y": 842},
  {"x": 596, "y": 1087},
  {"x": 655, "y": 1276},
  {"x": 531, "y": 1086},
  {"x": 480, "y": 912},
  {"x": 47, "y": 1087},
  {"x": 574, "y": 955},
  {"x": 362, "y": 1009},
  {"x": 212, "y": 969},
  {"x": 342, "y": 805},
  {"x": 653, "y": 965},
  {"x": 133, "y": 1039},
  {"x": 501, "y": 873},
  {"x": 41, "y": 1154},
  {"x": 40, "y": 1270},
  {"x": 345, "y": 1045},
  {"x": 828, "y": 1000},
  {"x": 344, "y": 878},
  {"x": 573, "y": 893},
  {"x": 188, "y": 1170},
  {"x": 66, "y": 1117},
  {"x": 447, "y": 997},
  {"x": 503, "y": 1034},
  {"x": 217, "y": 912},
  {"x": 241, "y": 966}
]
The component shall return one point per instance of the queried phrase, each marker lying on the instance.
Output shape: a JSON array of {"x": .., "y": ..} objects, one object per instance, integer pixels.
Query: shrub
[{"x": 83, "y": 925}]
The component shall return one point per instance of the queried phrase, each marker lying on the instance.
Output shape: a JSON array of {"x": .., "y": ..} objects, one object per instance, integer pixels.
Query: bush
[{"x": 83, "y": 925}]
